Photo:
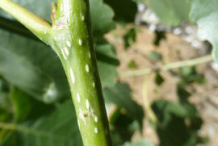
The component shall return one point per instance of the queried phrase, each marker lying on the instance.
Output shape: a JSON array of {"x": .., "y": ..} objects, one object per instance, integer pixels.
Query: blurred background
[{"x": 159, "y": 79}]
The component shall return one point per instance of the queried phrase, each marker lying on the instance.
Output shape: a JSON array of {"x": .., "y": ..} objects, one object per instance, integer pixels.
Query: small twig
[
  {"x": 191, "y": 62},
  {"x": 34, "y": 23},
  {"x": 147, "y": 105}
]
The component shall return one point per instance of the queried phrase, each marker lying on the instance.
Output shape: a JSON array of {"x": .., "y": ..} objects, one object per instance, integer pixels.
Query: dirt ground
[{"x": 174, "y": 48}]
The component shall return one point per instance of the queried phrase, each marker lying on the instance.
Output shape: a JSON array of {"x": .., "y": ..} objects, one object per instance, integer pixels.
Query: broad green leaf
[
  {"x": 205, "y": 14},
  {"x": 32, "y": 66},
  {"x": 139, "y": 143},
  {"x": 102, "y": 18},
  {"x": 56, "y": 129},
  {"x": 121, "y": 96},
  {"x": 171, "y": 12}
]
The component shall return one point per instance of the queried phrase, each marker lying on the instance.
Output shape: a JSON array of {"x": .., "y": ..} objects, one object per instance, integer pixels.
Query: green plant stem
[
  {"x": 40, "y": 27},
  {"x": 147, "y": 105},
  {"x": 191, "y": 62},
  {"x": 71, "y": 38},
  {"x": 73, "y": 42}
]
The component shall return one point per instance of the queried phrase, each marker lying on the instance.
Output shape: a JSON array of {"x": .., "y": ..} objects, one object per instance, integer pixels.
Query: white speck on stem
[
  {"x": 72, "y": 76},
  {"x": 81, "y": 116},
  {"x": 87, "y": 68},
  {"x": 83, "y": 17},
  {"x": 65, "y": 57},
  {"x": 93, "y": 84},
  {"x": 80, "y": 42},
  {"x": 89, "y": 55},
  {"x": 87, "y": 104},
  {"x": 78, "y": 97},
  {"x": 68, "y": 44},
  {"x": 96, "y": 130},
  {"x": 66, "y": 51},
  {"x": 78, "y": 123},
  {"x": 96, "y": 119}
]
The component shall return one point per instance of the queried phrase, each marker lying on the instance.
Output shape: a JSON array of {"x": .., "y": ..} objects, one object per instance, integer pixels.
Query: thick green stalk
[
  {"x": 74, "y": 43},
  {"x": 71, "y": 38}
]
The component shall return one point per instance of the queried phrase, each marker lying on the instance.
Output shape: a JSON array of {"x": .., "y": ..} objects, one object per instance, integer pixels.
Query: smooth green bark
[
  {"x": 74, "y": 43},
  {"x": 71, "y": 38}
]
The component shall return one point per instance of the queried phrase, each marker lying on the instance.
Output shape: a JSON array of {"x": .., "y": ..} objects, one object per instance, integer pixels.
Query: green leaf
[
  {"x": 182, "y": 93},
  {"x": 178, "y": 123},
  {"x": 153, "y": 55},
  {"x": 205, "y": 13},
  {"x": 164, "y": 110},
  {"x": 56, "y": 129},
  {"x": 121, "y": 96},
  {"x": 102, "y": 18},
  {"x": 190, "y": 75},
  {"x": 159, "y": 36},
  {"x": 159, "y": 80},
  {"x": 171, "y": 12},
  {"x": 139, "y": 143},
  {"x": 33, "y": 67},
  {"x": 130, "y": 37},
  {"x": 132, "y": 64}
]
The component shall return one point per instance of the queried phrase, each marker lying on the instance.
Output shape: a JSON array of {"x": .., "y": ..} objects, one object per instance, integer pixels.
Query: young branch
[
  {"x": 72, "y": 24},
  {"x": 40, "y": 27},
  {"x": 179, "y": 64}
]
